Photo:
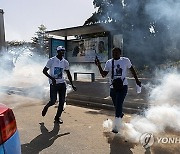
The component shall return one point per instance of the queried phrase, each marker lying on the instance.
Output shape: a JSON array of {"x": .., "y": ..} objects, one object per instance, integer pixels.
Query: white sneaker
[{"x": 116, "y": 125}]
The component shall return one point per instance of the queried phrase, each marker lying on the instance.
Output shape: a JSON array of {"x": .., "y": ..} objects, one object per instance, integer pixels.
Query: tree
[
  {"x": 105, "y": 12},
  {"x": 16, "y": 48},
  {"x": 144, "y": 36},
  {"x": 40, "y": 41}
]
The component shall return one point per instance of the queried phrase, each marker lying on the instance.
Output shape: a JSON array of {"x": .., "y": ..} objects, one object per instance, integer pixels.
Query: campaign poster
[{"x": 85, "y": 50}]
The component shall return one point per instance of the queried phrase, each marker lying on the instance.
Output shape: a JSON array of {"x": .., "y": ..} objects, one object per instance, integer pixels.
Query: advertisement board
[
  {"x": 85, "y": 50},
  {"x": 54, "y": 44}
]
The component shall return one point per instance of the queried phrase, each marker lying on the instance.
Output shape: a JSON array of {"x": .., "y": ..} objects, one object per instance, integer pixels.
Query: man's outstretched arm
[
  {"x": 98, "y": 63},
  {"x": 135, "y": 76}
]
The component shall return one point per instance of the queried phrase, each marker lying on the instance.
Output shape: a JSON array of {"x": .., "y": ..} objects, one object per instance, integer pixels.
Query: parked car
[{"x": 9, "y": 136}]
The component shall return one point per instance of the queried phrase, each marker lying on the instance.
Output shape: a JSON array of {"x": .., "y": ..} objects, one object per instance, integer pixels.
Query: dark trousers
[
  {"x": 60, "y": 89},
  {"x": 118, "y": 99}
]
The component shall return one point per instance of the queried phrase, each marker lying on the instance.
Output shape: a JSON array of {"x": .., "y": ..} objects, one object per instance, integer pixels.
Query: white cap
[{"x": 60, "y": 48}]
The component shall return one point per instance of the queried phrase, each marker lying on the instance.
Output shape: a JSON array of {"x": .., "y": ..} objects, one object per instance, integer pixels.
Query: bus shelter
[{"x": 83, "y": 43}]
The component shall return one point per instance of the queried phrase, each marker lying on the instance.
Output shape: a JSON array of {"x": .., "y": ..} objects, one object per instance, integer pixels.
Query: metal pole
[{"x": 2, "y": 33}]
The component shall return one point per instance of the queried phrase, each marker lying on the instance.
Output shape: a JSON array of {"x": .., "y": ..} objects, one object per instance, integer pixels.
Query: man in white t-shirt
[
  {"x": 117, "y": 67},
  {"x": 56, "y": 66}
]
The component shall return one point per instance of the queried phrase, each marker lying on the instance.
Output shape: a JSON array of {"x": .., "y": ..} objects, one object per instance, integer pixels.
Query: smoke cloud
[
  {"x": 150, "y": 30},
  {"x": 21, "y": 76},
  {"x": 164, "y": 108},
  {"x": 88, "y": 68},
  {"x": 167, "y": 13}
]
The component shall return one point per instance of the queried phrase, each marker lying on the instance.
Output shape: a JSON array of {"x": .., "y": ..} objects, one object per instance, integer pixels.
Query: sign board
[
  {"x": 86, "y": 50},
  {"x": 54, "y": 43}
]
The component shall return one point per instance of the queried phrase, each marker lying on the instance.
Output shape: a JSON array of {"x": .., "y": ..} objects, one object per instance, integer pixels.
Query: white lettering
[
  {"x": 171, "y": 140},
  {"x": 177, "y": 140},
  {"x": 165, "y": 140},
  {"x": 159, "y": 139}
]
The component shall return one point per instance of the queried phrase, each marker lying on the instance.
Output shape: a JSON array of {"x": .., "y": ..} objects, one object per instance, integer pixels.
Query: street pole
[{"x": 2, "y": 32}]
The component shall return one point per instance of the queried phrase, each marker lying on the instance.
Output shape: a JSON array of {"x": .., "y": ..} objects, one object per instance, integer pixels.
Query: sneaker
[
  {"x": 117, "y": 123},
  {"x": 59, "y": 121},
  {"x": 122, "y": 115},
  {"x": 44, "y": 111}
]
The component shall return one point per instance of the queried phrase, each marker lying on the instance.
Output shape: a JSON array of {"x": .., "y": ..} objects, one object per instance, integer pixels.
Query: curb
[{"x": 100, "y": 106}]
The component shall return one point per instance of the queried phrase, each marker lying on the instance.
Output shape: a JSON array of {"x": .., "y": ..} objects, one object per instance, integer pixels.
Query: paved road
[{"x": 81, "y": 133}]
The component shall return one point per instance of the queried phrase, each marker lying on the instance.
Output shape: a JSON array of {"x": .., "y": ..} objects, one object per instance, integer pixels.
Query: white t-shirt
[
  {"x": 57, "y": 68},
  {"x": 120, "y": 69}
]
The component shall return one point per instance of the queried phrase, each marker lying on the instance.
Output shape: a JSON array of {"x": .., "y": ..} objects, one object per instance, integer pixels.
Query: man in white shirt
[
  {"x": 56, "y": 66},
  {"x": 117, "y": 67}
]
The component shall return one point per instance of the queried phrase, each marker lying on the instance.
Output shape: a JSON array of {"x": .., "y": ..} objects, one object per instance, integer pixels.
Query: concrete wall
[{"x": 2, "y": 33}]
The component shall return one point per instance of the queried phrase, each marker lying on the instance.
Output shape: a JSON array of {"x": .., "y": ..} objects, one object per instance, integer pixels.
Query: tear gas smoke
[
  {"x": 22, "y": 81},
  {"x": 167, "y": 13},
  {"x": 85, "y": 69},
  {"x": 21, "y": 75},
  {"x": 159, "y": 46},
  {"x": 151, "y": 30},
  {"x": 164, "y": 108}
]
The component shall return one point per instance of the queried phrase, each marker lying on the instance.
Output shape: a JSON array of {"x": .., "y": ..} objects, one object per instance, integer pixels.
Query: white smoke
[
  {"x": 164, "y": 100},
  {"x": 22, "y": 81},
  {"x": 21, "y": 76},
  {"x": 108, "y": 124},
  {"x": 163, "y": 111},
  {"x": 167, "y": 13},
  {"x": 91, "y": 68},
  {"x": 164, "y": 9}
]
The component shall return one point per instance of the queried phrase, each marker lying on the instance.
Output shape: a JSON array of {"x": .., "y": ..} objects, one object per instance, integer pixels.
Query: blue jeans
[
  {"x": 118, "y": 99},
  {"x": 60, "y": 89}
]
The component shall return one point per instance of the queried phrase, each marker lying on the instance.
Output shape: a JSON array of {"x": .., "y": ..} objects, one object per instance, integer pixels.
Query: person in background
[
  {"x": 56, "y": 66},
  {"x": 117, "y": 67}
]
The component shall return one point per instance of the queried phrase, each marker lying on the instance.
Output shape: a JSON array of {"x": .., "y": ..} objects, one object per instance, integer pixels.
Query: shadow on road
[
  {"x": 42, "y": 141},
  {"x": 118, "y": 145}
]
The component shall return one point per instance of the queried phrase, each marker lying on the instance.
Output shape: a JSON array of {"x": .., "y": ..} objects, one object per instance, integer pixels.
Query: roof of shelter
[
  {"x": 1, "y": 11},
  {"x": 82, "y": 30}
]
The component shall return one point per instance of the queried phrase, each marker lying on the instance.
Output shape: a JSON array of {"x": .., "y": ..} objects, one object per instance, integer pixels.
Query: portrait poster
[{"x": 85, "y": 50}]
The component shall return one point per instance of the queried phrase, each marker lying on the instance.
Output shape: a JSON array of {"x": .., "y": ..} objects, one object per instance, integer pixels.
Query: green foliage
[{"x": 40, "y": 41}]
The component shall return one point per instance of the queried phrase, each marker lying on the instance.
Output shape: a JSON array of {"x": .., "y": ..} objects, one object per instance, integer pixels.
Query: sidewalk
[{"x": 96, "y": 95}]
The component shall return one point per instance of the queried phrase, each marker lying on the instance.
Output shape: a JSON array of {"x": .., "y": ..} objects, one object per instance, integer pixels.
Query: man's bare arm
[
  {"x": 70, "y": 79},
  {"x": 103, "y": 73},
  {"x": 45, "y": 71},
  {"x": 135, "y": 76}
]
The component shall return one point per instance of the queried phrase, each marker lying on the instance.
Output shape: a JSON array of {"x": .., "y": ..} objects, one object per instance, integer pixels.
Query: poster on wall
[
  {"x": 86, "y": 50},
  {"x": 54, "y": 44}
]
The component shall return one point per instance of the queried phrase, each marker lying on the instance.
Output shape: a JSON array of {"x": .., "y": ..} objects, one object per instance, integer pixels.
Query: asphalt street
[{"x": 81, "y": 133}]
